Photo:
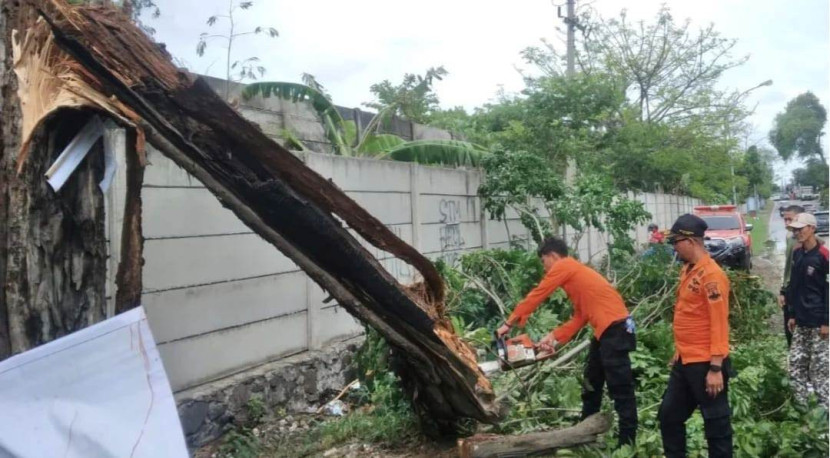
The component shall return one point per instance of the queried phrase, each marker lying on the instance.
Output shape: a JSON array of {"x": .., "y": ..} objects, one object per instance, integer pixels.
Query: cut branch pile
[{"x": 96, "y": 57}]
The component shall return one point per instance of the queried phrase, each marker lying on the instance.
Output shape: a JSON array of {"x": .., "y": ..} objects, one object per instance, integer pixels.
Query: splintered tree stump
[
  {"x": 102, "y": 61},
  {"x": 493, "y": 445}
]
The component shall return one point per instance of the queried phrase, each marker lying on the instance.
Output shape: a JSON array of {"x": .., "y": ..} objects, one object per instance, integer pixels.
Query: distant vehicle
[
  {"x": 821, "y": 223},
  {"x": 810, "y": 207},
  {"x": 777, "y": 197},
  {"x": 804, "y": 192},
  {"x": 728, "y": 238}
]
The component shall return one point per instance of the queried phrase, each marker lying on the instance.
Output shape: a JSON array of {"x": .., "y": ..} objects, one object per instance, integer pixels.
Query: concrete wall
[
  {"x": 274, "y": 115},
  {"x": 220, "y": 299}
]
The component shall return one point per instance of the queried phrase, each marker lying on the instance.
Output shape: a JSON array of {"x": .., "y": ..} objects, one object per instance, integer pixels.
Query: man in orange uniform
[
  {"x": 596, "y": 302},
  {"x": 700, "y": 365}
]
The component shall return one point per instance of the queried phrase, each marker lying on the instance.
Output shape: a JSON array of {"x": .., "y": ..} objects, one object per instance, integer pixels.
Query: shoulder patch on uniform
[{"x": 712, "y": 291}]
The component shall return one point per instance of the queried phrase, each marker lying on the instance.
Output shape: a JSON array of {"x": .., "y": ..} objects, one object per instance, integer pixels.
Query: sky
[{"x": 351, "y": 45}]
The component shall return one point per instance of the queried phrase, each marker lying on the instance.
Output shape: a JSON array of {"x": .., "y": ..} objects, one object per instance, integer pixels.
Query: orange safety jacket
[
  {"x": 595, "y": 300},
  {"x": 701, "y": 314}
]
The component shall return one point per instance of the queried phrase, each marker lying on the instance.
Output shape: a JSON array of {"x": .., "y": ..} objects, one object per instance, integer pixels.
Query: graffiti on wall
[{"x": 450, "y": 236}]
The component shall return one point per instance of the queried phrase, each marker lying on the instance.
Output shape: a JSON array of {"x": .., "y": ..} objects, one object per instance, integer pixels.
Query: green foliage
[
  {"x": 340, "y": 133},
  {"x": 757, "y": 168},
  {"x": 524, "y": 182},
  {"x": 413, "y": 99},
  {"x": 382, "y": 413},
  {"x": 240, "y": 443},
  {"x": 749, "y": 305},
  {"x": 512, "y": 180},
  {"x": 799, "y": 128},
  {"x": 255, "y": 409},
  {"x": 343, "y": 134},
  {"x": 672, "y": 71},
  {"x": 814, "y": 173},
  {"x": 543, "y": 397},
  {"x": 447, "y": 152},
  {"x": 644, "y": 108}
]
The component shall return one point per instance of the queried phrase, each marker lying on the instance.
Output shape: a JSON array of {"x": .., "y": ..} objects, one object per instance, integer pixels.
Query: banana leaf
[
  {"x": 376, "y": 144},
  {"x": 335, "y": 127},
  {"x": 444, "y": 152}
]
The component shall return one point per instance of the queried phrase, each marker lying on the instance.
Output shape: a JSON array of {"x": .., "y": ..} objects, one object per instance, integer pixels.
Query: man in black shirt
[{"x": 807, "y": 303}]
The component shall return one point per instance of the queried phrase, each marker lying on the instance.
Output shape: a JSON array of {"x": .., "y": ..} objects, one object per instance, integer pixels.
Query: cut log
[
  {"x": 487, "y": 445},
  {"x": 302, "y": 214}
]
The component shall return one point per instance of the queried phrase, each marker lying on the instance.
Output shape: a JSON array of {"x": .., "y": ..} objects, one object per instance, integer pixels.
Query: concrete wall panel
[
  {"x": 389, "y": 208},
  {"x": 187, "y": 312},
  {"x": 434, "y": 180},
  {"x": 354, "y": 174},
  {"x": 336, "y": 324},
  {"x": 186, "y": 212},
  {"x": 174, "y": 263},
  {"x": 189, "y": 362}
]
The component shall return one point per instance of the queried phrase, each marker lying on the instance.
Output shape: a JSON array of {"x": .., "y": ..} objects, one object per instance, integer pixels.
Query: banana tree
[{"x": 345, "y": 138}]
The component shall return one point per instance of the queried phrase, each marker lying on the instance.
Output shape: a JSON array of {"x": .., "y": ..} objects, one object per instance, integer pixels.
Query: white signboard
[{"x": 99, "y": 392}]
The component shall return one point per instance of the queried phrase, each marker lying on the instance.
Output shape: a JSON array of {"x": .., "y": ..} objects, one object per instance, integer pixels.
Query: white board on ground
[{"x": 99, "y": 392}]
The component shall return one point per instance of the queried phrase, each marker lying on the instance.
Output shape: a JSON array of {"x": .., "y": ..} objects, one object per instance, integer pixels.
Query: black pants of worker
[
  {"x": 609, "y": 364},
  {"x": 687, "y": 391}
]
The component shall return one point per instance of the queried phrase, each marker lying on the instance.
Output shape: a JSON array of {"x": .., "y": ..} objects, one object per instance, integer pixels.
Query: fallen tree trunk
[
  {"x": 487, "y": 445},
  {"x": 122, "y": 73}
]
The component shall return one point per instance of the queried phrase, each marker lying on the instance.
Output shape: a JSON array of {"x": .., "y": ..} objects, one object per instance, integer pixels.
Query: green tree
[
  {"x": 814, "y": 173},
  {"x": 413, "y": 99},
  {"x": 528, "y": 184},
  {"x": 757, "y": 170},
  {"x": 799, "y": 128},
  {"x": 246, "y": 68},
  {"x": 669, "y": 70}
]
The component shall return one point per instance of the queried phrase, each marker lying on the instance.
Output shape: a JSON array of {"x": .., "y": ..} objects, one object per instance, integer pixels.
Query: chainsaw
[{"x": 513, "y": 353}]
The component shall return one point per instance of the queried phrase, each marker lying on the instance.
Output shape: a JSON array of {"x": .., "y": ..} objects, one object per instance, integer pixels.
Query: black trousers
[
  {"x": 687, "y": 391},
  {"x": 609, "y": 364}
]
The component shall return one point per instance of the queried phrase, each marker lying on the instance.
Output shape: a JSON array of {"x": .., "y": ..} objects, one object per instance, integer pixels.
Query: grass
[
  {"x": 393, "y": 427},
  {"x": 760, "y": 228}
]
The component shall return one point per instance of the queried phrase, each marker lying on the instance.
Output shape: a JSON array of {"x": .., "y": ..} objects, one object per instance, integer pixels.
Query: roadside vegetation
[
  {"x": 542, "y": 397},
  {"x": 760, "y": 228},
  {"x": 629, "y": 123}
]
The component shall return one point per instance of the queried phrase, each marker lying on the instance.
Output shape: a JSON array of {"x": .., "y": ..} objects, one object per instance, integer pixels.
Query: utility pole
[{"x": 570, "y": 20}]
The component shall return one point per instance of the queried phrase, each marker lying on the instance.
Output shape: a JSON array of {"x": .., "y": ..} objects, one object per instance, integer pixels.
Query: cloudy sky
[{"x": 349, "y": 46}]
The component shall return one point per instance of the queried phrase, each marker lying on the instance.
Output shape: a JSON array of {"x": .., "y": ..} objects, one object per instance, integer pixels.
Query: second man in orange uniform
[
  {"x": 700, "y": 366},
  {"x": 596, "y": 302}
]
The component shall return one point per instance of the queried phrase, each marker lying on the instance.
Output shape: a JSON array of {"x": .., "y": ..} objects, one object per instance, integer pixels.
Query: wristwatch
[{"x": 714, "y": 368}]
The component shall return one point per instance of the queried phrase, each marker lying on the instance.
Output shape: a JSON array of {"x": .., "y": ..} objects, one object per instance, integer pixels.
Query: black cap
[{"x": 688, "y": 226}]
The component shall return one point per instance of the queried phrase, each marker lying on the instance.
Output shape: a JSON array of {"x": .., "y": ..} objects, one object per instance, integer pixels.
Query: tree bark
[
  {"x": 128, "y": 278},
  {"x": 544, "y": 442},
  {"x": 52, "y": 245},
  {"x": 275, "y": 194}
]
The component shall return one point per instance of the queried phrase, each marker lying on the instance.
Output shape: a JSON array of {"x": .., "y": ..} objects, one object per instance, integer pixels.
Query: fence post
[
  {"x": 312, "y": 316},
  {"x": 482, "y": 216},
  {"x": 414, "y": 204}
]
